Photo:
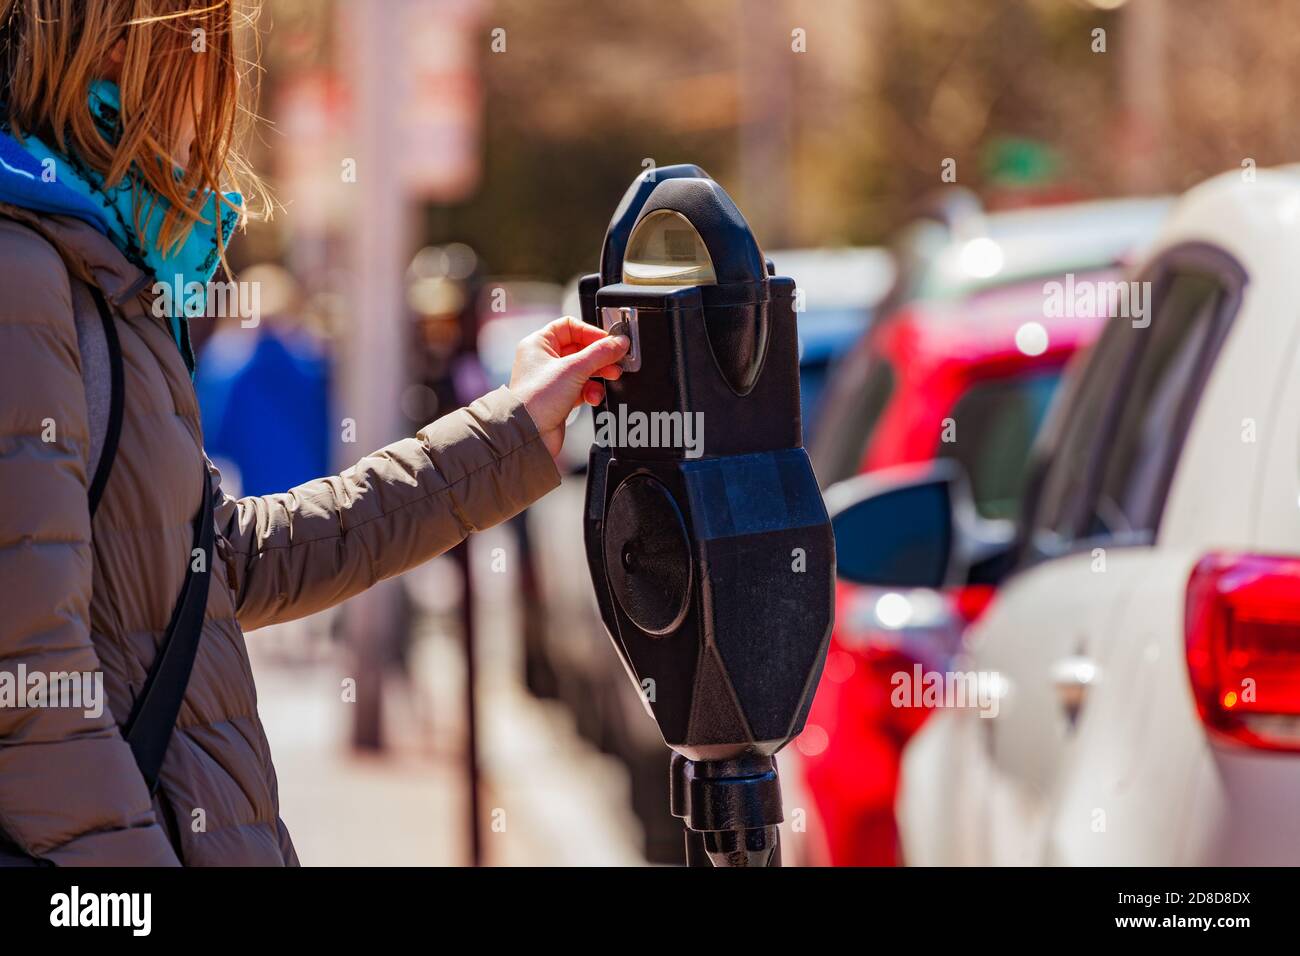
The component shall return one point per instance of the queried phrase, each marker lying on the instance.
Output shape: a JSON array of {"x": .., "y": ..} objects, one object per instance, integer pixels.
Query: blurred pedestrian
[
  {"x": 263, "y": 388},
  {"x": 116, "y": 154}
]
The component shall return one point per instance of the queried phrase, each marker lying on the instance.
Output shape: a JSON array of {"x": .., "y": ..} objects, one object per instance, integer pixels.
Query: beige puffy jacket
[{"x": 97, "y": 599}]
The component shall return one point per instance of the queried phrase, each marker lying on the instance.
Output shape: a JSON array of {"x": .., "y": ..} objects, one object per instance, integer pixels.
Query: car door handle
[{"x": 1073, "y": 676}]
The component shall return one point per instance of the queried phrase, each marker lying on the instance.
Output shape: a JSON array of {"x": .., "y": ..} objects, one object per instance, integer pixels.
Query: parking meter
[{"x": 708, "y": 543}]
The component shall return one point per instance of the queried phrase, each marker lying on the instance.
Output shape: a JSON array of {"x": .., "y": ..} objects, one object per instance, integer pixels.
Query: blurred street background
[{"x": 445, "y": 170}]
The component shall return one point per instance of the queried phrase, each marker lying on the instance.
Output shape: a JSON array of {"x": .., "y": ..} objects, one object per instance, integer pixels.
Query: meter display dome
[{"x": 665, "y": 249}]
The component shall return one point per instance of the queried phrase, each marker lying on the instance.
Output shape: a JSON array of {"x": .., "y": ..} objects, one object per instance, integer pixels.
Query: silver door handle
[{"x": 1072, "y": 677}]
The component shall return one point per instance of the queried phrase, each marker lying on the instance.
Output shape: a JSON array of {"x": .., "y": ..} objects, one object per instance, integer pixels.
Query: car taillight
[{"x": 1243, "y": 647}]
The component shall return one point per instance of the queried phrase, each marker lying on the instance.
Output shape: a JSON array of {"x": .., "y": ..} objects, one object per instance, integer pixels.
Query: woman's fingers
[
  {"x": 599, "y": 356},
  {"x": 569, "y": 335}
]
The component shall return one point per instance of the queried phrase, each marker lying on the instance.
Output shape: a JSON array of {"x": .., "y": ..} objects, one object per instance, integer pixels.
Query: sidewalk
[{"x": 548, "y": 797}]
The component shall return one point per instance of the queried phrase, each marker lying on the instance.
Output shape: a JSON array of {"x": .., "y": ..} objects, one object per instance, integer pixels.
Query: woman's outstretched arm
[{"x": 309, "y": 548}]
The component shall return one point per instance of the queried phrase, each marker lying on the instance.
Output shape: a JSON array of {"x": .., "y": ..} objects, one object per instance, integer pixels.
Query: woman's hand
[{"x": 554, "y": 371}]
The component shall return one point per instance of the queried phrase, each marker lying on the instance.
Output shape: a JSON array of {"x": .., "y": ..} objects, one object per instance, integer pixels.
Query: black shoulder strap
[
  {"x": 149, "y": 729},
  {"x": 116, "y": 401}
]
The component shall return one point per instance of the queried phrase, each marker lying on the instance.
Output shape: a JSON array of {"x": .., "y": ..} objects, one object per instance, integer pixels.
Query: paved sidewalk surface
[{"x": 548, "y": 797}]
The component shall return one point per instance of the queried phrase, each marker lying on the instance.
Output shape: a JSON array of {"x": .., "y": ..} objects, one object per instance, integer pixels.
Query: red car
[{"x": 969, "y": 378}]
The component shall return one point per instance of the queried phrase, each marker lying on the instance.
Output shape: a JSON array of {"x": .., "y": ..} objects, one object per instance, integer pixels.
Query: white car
[{"x": 1138, "y": 672}]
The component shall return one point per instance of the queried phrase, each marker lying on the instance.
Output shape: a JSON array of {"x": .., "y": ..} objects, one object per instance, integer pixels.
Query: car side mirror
[{"x": 916, "y": 526}]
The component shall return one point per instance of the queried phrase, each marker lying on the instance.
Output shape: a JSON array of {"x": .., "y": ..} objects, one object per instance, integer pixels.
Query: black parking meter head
[
  {"x": 708, "y": 543},
  {"x": 706, "y": 318}
]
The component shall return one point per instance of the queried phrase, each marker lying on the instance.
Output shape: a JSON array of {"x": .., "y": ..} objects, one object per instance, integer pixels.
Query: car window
[
  {"x": 812, "y": 383},
  {"x": 1110, "y": 465},
  {"x": 846, "y": 431},
  {"x": 1071, "y": 448},
  {"x": 824, "y": 336},
  {"x": 994, "y": 424},
  {"x": 1148, "y": 430}
]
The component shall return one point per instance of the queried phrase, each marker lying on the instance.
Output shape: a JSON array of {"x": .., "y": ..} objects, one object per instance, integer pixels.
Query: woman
[{"x": 119, "y": 125}]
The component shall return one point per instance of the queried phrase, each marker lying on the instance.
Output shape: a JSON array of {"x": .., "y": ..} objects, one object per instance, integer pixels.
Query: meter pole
[{"x": 731, "y": 809}]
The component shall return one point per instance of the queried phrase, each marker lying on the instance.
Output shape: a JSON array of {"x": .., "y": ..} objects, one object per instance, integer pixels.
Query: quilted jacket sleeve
[
  {"x": 322, "y": 542},
  {"x": 70, "y": 791}
]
